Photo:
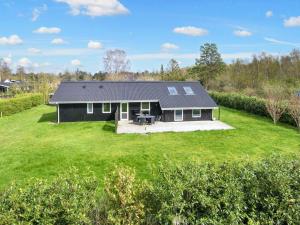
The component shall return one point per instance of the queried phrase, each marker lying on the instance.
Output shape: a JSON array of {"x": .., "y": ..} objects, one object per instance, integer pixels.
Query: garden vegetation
[
  {"x": 289, "y": 113},
  {"x": 20, "y": 103},
  {"x": 265, "y": 192}
]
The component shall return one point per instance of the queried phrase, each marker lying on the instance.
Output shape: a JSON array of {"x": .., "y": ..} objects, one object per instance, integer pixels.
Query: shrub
[
  {"x": 248, "y": 104},
  {"x": 271, "y": 191},
  {"x": 264, "y": 193},
  {"x": 20, "y": 103},
  {"x": 198, "y": 194},
  {"x": 123, "y": 200},
  {"x": 68, "y": 199}
]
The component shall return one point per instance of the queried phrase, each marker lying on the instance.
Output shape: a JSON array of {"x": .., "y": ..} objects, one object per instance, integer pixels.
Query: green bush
[
  {"x": 124, "y": 198},
  {"x": 248, "y": 104},
  {"x": 68, "y": 199},
  {"x": 264, "y": 193},
  {"x": 20, "y": 103}
]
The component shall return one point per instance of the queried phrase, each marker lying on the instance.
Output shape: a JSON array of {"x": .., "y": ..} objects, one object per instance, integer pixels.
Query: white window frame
[
  {"x": 181, "y": 114},
  {"x": 109, "y": 107},
  {"x": 145, "y": 110},
  {"x": 174, "y": 89},
  {"x": 196, "y": 115},
  {"x": 87, "y": 108},
  {"x": 186, "y": 92}
]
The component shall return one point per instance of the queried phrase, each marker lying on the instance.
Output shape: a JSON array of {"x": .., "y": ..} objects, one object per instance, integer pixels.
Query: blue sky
[{"x": 56, "y": 35}]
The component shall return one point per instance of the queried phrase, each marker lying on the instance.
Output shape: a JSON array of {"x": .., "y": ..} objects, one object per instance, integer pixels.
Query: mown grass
[{"x": 31, "y": 145}]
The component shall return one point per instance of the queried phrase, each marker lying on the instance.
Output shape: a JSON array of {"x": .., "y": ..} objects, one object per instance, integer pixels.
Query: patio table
[{"x": 146, "y": 118}]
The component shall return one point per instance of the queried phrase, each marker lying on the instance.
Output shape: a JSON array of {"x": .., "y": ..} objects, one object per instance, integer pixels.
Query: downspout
[{"x": 58, "y": 119}]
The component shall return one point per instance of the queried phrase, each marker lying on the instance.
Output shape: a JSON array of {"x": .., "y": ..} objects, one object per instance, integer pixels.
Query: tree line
[{"x": 250, "y": 77}]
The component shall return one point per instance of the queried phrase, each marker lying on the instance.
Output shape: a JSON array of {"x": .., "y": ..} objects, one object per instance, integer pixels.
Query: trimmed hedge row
[
  {"x": 265, "y": 192},
  {"x": 19, "y": 104},
  {"x": 248, "y": 104}
]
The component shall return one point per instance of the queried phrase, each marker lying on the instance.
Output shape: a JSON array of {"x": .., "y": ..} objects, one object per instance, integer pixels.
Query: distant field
[{"x": 33, "y": 146}]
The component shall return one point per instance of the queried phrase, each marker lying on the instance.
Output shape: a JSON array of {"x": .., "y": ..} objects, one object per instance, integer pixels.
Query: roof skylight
[
  {"x": 172, "y": 91},
  {"x": 188, "y": 91}
]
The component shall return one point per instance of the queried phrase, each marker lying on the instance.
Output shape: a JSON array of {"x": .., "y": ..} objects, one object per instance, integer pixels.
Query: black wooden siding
[
  {"x": 78, "y": 112},
  {"x": 168, "y": 115},
  {"x": 3, "y": 89}
]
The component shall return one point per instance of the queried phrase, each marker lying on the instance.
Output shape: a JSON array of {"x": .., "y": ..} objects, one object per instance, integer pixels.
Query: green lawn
[{"x": 32, "y": 145}]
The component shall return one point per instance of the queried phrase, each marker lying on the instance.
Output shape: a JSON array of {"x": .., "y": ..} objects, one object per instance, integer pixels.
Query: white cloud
[
  {"x": 25, "y": 62},
  {"x": 168, "y": 46},
  {"x": 8, "y": 60},
  {"x": 58, "y": 41},
  {"x": 191, "y": 31},
  {"x": 94, "y": 45},
  {"x": 11, "y": 40},
  {"x": 275, "y": 41},
  {"x": 292, "y": 22},
  {"x": 95, "y": 7},
  {"x": 36, "y": 12},
  {"x": 242, "y": 33},
  {"x": 34, "y": 50},
  {"x": 48, "y": 30},
  {"x": 269, "y": 14},
  {"x": 75, "y": 62}
]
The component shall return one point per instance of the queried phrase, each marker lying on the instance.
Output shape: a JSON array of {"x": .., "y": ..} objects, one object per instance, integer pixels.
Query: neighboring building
[
  {"x": 124, "y": 100},
  {"x": 7, "y": 84}
]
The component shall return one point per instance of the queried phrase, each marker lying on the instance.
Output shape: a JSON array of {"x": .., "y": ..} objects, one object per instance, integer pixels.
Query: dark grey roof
[
  {"x": 3, "y": 84},
  {"x": 117, "y": 91},
  {"x": 10, "y": 83}
]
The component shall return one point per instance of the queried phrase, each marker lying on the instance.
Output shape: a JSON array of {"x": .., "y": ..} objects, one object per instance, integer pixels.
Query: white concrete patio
[{"x": 127, "y": 127}]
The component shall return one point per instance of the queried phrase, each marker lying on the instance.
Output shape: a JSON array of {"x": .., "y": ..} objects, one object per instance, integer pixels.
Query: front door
[{"x": 124, "y": 111}]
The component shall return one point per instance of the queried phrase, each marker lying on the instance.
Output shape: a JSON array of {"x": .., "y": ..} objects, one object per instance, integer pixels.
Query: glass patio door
[
  {"x": 178, "y": 115},
  {"x": 124, "y": 111}
]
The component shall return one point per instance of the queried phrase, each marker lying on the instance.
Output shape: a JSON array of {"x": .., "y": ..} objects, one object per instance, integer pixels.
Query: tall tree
[
  {"x": 116, "y": 62},
  {"x": 5, "y": 71},
  {"x": 21, "y": 73},
  {"x": 209, "y": 65},
  {"x": 294, "y": 109},
  {"x": 275, "y": 102},
  {"x": 174, "y": 72},
  {"x": 162, "y": 71}
]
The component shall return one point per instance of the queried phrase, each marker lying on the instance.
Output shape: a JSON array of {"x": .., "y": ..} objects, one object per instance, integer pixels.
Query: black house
[
  {"x": 7, "y": 84},
  {"x": 124, "y": 100}
]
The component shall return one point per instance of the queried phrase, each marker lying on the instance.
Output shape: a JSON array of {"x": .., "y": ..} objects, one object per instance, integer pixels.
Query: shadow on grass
[
  {"x": 109, "y": 127},
  {"x": 48, "y": 117}
]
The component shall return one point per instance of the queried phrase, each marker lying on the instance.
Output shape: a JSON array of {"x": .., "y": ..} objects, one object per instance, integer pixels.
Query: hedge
[
  {"x": 67, "y": 199},
  {"x": 248, "y": 104},
  {"x": 20, "y": 103},
  {"x": 263, "y": 192}
]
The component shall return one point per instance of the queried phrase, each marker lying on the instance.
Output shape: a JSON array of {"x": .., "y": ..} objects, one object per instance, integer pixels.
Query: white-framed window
[
  {"x": 178, "y": 115},
  {"x": 188, "y": 90},
  {"x": 172, "y": 91},
  {"x": 106, "y": 108},
  {"x": 145, "y": 107},
  {"x": 196, "y": 113},
  {"x": 89, "y": 108}
]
